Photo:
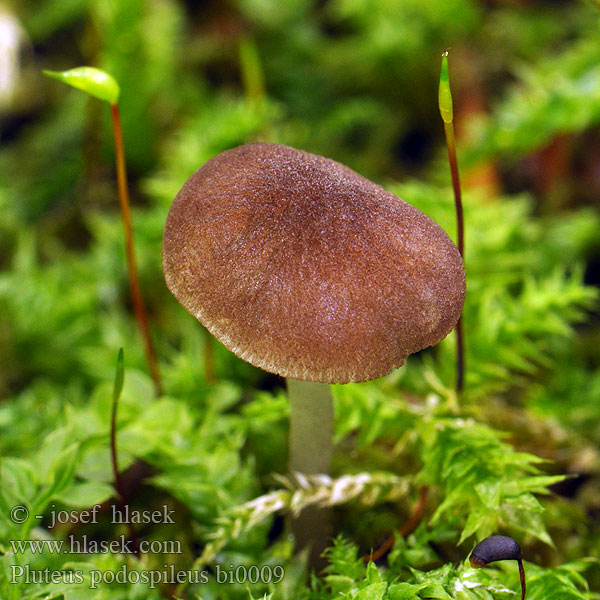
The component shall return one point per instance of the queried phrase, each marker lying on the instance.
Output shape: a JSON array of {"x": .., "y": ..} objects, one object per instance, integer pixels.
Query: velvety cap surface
[{"x": 304, "y": 268}]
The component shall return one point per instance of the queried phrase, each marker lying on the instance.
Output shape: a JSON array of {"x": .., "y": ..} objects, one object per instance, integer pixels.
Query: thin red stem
[
  {"x": 522, "y": 578},
  {"x": 413, "y": 522},
  {"x": 451, "y": 145},
  {"x": 117, "y": 475},
  {"x": 136, "y": 295}
]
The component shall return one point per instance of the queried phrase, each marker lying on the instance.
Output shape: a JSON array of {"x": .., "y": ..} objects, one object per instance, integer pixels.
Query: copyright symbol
[{"x": 19, "y": 514}]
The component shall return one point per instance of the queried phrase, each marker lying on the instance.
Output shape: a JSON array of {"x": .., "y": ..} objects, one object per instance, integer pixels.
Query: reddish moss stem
[
  {"x": 413, "y": 522},
  {"x": 115, "y": 461},
  {"x": 136, "y": 295},
  {"x": 447, "y": 113},
  {"x": 451, "y": 146},
  {"x": 522, "y": 578}
]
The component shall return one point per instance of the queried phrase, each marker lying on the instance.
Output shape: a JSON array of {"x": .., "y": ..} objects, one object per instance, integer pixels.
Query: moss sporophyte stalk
[
  {"x": 499, "y": 547},
  {"x": 103, "y": 86},
  {"x": 447, "y": 112},
  {"x": 114, "y": 456}
]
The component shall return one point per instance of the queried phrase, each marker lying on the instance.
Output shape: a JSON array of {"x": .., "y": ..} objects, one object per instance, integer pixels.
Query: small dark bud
[{"x": 493, "y": 548}]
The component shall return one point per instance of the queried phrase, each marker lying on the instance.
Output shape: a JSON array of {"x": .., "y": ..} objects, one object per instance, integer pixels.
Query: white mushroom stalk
[
  {"x": 310, "y": 453},
  {"x": 311, "y": 427}
]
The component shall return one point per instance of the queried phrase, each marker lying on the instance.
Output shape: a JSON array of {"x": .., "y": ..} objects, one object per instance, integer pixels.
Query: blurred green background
[{"x": 356, "y": 81}]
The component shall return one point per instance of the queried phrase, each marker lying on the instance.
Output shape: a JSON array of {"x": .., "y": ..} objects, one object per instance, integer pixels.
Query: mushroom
[{"x": 306, "y": 269}]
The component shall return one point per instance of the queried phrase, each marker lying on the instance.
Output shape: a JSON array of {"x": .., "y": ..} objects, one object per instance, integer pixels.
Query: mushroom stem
[
  {"x": 311, "y": 448},
  {"x": 311, "y": 427},
  {"x": 210, "y": 375}
]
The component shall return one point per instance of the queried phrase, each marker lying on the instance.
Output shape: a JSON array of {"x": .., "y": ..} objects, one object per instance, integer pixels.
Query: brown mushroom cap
[{"x": 304, "y": 268}]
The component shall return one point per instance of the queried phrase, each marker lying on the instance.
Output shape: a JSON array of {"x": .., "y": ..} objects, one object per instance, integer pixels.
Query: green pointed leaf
[
  {"x": 374, "y": 591},
  {"x": 373, "y": 575},
  {"x": 86, "y": 494},
  {"x": 339, "y": 584},
  {"x": 95, "y": 82},
  {"x": 404, "y": 591}
]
